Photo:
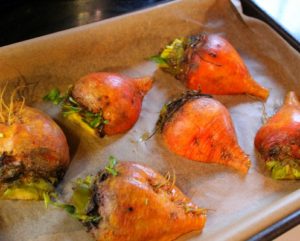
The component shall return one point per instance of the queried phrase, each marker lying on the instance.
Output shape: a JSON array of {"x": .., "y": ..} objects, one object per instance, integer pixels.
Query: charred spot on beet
[
  {"x": 130, "y": 209},
  {"x": 197, "y": 40},
  {"x": 93, "y": 208},
  {"x": 102, "y": 176},
  {"x": 212, "y": 54},
  {"x": 10, "y": 170},
  {"x": 10, "y": 173},
  {"x": 274, "y": 151},
  {"x": 96, "y": 201},
  {"x": 2, "y": 157},
  {"x": 100, "y": 131}
]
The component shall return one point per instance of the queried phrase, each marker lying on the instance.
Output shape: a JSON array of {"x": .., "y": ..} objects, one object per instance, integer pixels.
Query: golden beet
[
  {"x": 210, "y": 64},
  {"x": 34, "y": 153},
  {"x": 139, "y": 204},
  {"x": 278, "y": 140},
  {"x": 200, "y": 128},
  {"x": 131, "y": 202},
  {"x": 104, "y": 103}
]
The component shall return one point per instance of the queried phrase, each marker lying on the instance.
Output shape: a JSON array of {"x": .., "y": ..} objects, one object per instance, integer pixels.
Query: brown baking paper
[{"x": 238, "y": 205}]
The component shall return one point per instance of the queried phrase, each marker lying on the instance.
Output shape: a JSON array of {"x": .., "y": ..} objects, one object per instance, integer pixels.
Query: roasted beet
[
  {"x": 34, "y": 153},
  {"x": 278, "y": 140},
  {"x": 209, "y": 63},
  {"x": 131, "y": 202},
  {"x": 200, "y": 128},
  {"x": 104, "y": 103}
]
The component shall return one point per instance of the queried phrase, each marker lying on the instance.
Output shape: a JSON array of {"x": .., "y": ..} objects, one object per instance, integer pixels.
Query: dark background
[{"x": 25, "y": 19}]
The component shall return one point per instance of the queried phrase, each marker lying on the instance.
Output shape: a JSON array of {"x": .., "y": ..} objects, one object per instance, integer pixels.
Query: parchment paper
[{"x": 239, "y": 205}]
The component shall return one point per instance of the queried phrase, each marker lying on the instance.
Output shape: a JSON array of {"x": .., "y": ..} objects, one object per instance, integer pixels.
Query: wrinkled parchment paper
[{"x": 239, "y": 206}]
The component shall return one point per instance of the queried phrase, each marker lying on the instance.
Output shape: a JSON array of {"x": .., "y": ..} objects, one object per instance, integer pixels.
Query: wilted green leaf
[
  {"x": 54, "y": 96},
  {"x": 111, "y": 167}
]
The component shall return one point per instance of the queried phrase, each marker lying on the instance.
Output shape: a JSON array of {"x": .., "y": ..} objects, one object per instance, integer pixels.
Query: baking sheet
[{"x": 239, "y": 205}]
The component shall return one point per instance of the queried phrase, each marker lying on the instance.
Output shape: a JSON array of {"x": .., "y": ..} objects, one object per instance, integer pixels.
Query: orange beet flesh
[
  {"x": 139, "y": 204},
  {"x": 202, "y": 130},
  {"x": 215, "y": 67},
  {"x": 119, "y": 97}
]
